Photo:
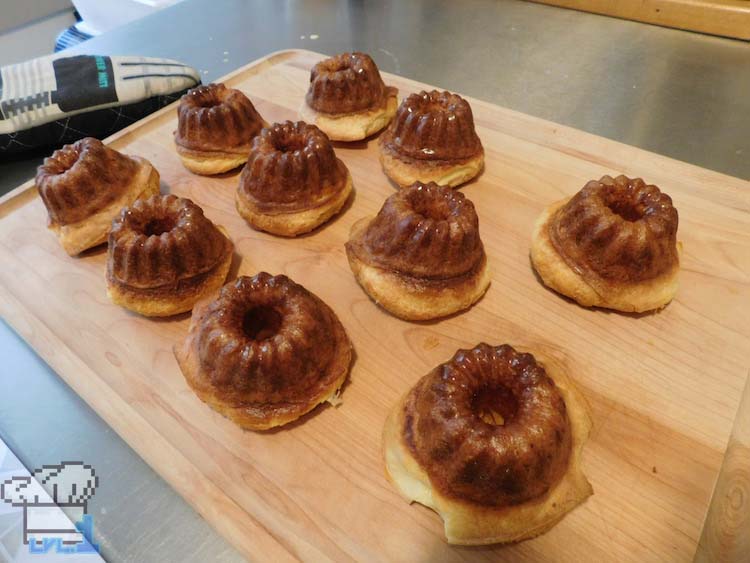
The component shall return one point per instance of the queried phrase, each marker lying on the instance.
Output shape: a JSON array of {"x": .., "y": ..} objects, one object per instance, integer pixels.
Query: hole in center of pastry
[
  {"x": 289, "y": 143},
  {"x": 65, "y": 159},
  {"x": 436, "y": 209},
  {"x": 156, "y": 227},
  {"x": 338, "y": 64},
  {"x": 495, "y": 404},
  {"x": 435, "y": 106},
  {"x": 207, "y": 100},
  {"x": 625, "y": 209},
  {"x": 261, "y": 323}
]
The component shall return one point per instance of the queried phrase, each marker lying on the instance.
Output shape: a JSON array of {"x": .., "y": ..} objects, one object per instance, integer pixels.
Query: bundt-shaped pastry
[
  {"x": 164, "y": 255},
  {"x": 84, "y": 186},
  {"x": 264, "y": 352},
  {"x": 347, "y": 98},
  {"x": 421, "y": 256},
  {"x": 345, "y": 83},
  {"x": 432, "y": 139},
  {"x": 215, "y": 127},
  {"x": 492, "y": 443},
  {"x": 293, "y": 181},
  {"x": 613, "y": 244}
]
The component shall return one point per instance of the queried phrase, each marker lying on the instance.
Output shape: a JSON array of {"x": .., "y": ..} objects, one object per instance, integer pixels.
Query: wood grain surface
[
  {"x": 729, "y": 18},
  {"x": 663, "y": 388},
  {"x": 726, "y": 534}
]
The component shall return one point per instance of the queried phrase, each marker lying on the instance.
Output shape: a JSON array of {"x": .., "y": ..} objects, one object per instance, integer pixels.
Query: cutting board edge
[
  {"x": 149, "y": 450},
  {"x": 38, "y": 324}
]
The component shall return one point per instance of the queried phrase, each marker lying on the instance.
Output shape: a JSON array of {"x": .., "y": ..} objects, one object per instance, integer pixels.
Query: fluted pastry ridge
[
  {"x": 213, "y": 117},
  {"x": 83, "y": 178},
  {"x": 291, "y": 166},
  {"x": 346, "y": 83}
]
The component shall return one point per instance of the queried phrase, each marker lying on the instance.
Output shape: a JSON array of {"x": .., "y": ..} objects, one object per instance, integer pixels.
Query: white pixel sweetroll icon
[{"x": 68, "y": 485}]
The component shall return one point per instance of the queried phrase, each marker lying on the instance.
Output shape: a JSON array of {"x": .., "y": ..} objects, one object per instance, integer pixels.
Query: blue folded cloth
[
  {"x": 52, "y": 101},
  {"x": 70, "y": 37}
]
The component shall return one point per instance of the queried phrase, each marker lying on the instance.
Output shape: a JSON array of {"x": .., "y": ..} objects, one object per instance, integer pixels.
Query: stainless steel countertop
[{"x": 680, "y": 94}]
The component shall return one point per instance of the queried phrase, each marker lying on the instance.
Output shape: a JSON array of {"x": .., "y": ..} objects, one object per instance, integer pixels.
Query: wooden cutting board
[
  {"x": 729, "y": 18},
  {"x": 664, "y": 388}
]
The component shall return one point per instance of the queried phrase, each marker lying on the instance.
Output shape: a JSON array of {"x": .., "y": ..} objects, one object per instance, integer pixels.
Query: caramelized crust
[
  {"x": 421, "y": 257},
  {"x": 493, "y": 443},
  {"x": 216, "y": 118},
  {"x": 617, "y": 232},
  {"x": 162, "y": 243},
  {"x": 449, "y": 430},
  {"x": 346, "y": 83},
  {"x": 433, "y": 126},
  {"x": 291, "y": 167},
  {"x": 265, "y": 351},
  {"x": 82, "y": 179},
  {"x": 423, "y": 231}
]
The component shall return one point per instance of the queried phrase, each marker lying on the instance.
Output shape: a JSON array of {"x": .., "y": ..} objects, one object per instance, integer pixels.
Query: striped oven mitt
[{"x": 52, "y": 101}]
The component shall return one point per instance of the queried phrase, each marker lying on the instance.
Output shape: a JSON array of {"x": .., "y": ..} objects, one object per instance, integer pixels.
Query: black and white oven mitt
[{"x": 51, "y": 101}]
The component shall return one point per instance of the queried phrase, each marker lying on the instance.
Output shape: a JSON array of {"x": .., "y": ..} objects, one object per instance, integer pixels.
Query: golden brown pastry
[
  {"x": 164, "y": 255},
  {"x": 432, "y": 139},
  {"x": 215, "y": 127},
  {"x": 292, "y": 182},
  {"x": 491, "y": 442},
  {"x": 421, "y": 256},
  {"x": 264, "y": 352},
  {"x": 84, "y": 186},
  {"x": 347, "y": 98},
  {"x": 613, "y": 244}
]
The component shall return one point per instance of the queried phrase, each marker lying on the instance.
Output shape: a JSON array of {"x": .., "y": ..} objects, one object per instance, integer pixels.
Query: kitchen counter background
[{"x": 677, "y": 93}]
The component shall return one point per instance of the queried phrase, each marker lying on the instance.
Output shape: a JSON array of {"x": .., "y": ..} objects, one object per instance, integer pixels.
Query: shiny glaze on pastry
[
  {"x": 82, "y": 179},
  {"x": 346, "y": 83},
  {"x": 265, "y": 351},
  {"x": 424, "y": 231},
  {"x": 213, "y": 117},
  {"x": 617, "y": 231},
  {"x": 163, "y": 242},
  {"x": 433, "y": 126},
  {"x": 291, "y": 167},
  {"x": 452, "y": 427}
]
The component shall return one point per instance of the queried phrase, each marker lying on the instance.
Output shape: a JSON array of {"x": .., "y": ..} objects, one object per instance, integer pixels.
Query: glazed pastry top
[
  {"x": 83, "y": 178},
  {"x": 346, "y": 83},
  {"x": 489, "y": 427},
  {"x": 425, "y": 231},
  {"x": 213, "y": 117},
  {"x": 617, "y": 230},
  {"x": 292, "y": 166},
  {"x": 433, "y": 126},
  {"x": 266, "y": 340},
  {"x": 162, "y": 240}
]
